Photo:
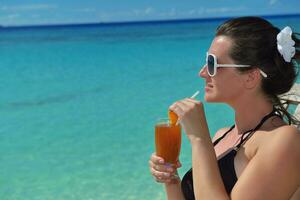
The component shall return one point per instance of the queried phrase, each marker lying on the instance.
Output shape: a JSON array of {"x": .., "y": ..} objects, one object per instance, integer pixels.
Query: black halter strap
[
  {"x": 250, "y": 132},
  {"x": 246, "y": 135},
  {"x": 220, "y": 138}
]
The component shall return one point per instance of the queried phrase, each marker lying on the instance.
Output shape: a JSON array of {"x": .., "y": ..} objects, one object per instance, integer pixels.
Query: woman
[{"x": 249, "y": 63}]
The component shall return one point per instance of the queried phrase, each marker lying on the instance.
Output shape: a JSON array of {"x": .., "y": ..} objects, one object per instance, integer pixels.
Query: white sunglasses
[{"x": 212, "y": 65}]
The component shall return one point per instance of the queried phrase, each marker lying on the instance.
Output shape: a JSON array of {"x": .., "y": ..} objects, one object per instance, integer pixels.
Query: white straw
[{"x": 195, "y": 95}]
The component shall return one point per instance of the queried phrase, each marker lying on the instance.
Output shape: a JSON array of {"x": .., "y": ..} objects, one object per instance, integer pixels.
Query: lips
[{"x": 208, "y": 85}]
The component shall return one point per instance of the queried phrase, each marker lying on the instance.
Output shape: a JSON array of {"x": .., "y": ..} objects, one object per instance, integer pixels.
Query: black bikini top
[{"x": 225, "y": 163}]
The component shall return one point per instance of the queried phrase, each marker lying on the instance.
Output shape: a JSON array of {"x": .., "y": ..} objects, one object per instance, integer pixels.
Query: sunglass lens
[{"x": 210, "y": 65}]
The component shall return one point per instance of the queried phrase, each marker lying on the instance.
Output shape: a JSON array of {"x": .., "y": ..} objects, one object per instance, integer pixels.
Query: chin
[{"x": 211, "y": 98}]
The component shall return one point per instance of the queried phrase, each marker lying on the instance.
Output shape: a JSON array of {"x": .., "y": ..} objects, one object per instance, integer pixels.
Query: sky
[{"x": 37, "y": 12}]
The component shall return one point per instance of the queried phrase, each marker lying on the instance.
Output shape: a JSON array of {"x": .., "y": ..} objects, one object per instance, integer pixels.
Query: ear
[{"x": 252, "y": 78}]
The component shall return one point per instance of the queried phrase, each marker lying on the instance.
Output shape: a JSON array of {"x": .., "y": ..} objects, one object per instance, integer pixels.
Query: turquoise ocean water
[{"x": 78, "y": 105}]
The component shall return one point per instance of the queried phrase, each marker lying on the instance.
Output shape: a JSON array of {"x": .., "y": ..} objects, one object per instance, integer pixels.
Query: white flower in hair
[{"x": 285, "y": 44}]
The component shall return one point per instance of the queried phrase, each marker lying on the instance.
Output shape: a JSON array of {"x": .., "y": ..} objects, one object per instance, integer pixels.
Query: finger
[
  {"x": 167, "y": 168},
  {"x": 159, "y": 180},
  {"x": 162, "y": 168},
  {"x": 179, "y": 111},
  {"x": 179, "y": 108},
  {"x": 183, "y": 104},
  {"x": 164, "y": 178},
  {"x": 178, "y": 164},
  {"x": 194, "y": 101},
  {"x": 176, "y": 104},
  {"x": 191, "y": 100},
  {"x": 173, "y": 179},
  {"x": 160, "y": 175},
  {"x": 156, "y": 159},
  {"x": 187, "y": 105},
  {"x": 151, "y": 164}
]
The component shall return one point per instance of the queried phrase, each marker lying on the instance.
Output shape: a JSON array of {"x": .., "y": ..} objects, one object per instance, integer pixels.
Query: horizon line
[{"x": 136, "y": 22}]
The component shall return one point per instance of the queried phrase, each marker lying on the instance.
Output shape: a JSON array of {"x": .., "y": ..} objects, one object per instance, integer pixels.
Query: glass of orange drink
[{"x": 168, "y": 139}]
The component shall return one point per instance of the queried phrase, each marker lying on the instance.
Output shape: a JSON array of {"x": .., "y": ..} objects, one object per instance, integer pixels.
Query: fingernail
[
  {"x": 161, "y": 161},
  {"x": 167, "y": 174},
  {"x": 168, "y": 165}
]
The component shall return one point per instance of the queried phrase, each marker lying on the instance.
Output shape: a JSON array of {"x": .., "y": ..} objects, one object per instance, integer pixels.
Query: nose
[{"x": 203, "y": 72}]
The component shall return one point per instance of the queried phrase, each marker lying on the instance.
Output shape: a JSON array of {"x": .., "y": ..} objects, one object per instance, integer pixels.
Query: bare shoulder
[
  {"x": 287, "y": 136},
  {"x": 287, "y": 129},
  {"x": 285, "y": 143}
]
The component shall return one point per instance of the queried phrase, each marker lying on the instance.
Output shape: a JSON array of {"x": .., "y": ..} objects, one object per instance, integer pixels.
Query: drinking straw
[{"x": 195, "y": 95}]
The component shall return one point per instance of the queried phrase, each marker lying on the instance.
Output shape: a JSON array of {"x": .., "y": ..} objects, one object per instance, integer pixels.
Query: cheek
[
  {"x": 228, "y": 79},
  {"x": 226, "y": 90}
]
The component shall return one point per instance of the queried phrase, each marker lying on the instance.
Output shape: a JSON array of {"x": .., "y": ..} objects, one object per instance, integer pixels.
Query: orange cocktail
[{"x": 168, "y": 141}]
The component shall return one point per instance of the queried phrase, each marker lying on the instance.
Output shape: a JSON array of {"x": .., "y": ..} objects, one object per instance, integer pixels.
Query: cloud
[
  {"x": 84, "y": 10},
  {"x": 142, "y": 12},
  {"x": 170, "y": 13},
  {"x": 23, "y": 14},
  {"x": 199, "y": 12},
  {"x": 10, "y": 17},
  {"x": 223, "y": 10},
  {"x": 272, "y": 2},
  {"x": 35, "y": 16},
  {"x": 130, "y": 14},
  {"x": 193, "y": 12},
  {"x": 29, "y": 7},
  {"x": 13, "y": 16}
]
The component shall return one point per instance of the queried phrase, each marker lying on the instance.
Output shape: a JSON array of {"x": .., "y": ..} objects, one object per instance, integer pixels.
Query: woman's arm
[
  {"x": 207, "y": 180},
  {"x": 208, "y": 183},
  {"x": 271, "y": 174},
  {"x": 173, "y": 191}
]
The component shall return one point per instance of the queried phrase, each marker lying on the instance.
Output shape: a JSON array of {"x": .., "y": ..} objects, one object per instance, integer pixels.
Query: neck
[{"x": 249, "y": 112}]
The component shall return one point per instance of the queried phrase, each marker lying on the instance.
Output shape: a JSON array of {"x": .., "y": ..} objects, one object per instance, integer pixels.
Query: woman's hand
[
  {"x": 191, "y": 117},
  {"x": 163, "y": 172}
]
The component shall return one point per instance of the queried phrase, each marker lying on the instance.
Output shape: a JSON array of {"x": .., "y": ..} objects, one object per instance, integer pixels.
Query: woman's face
[{"x": 227, "y": 84}]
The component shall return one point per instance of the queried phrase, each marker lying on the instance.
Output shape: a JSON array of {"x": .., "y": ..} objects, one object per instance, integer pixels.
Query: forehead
[{"x": 220, "y": 47}]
